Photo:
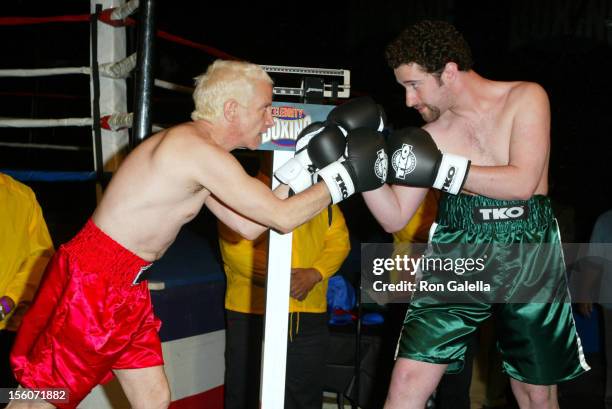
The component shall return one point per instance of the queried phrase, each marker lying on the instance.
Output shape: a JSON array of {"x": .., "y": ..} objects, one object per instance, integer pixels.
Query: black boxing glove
[
  {"x": 317, "y": 146},
  {"x": 360, "y": 112},
  {"x": 415, "y": 160},
  {"x": 363, "y": 167}
]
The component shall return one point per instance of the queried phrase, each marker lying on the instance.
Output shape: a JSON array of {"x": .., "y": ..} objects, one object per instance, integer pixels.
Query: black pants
[
  {"x": 306, "y": 354},
  {"x": 7, "y": 380}
]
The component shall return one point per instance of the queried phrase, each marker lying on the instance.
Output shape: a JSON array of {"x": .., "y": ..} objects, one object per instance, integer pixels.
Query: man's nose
[
  {"x": 411, "y": 99},
  {"x": 269, "y": 120}
]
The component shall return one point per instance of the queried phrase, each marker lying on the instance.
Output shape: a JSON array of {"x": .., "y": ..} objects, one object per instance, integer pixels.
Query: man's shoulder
[
  {"x": 185, "y": 130},
  {"x": 190, "y": 136},
  {"x": 520, "y": 90}
]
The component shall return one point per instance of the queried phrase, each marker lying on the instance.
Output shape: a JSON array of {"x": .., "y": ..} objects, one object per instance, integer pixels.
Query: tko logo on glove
[
  {"x": 403, "y": 161},
  {"x": 381, "y": 165},
  {"x": 450, "y": 175},
  {"x": 494, "y": 214},
  {"x": 341, "y": 186}
]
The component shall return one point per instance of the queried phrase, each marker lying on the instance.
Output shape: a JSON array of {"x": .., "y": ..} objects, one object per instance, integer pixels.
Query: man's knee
[
  {"x": 537, "y": 395},
  {"x": 158, "y": 399},
  {"x": 145, "y": 388},
  {"x": 421, "y": 377},
  {"x": 540, "y": 396}
]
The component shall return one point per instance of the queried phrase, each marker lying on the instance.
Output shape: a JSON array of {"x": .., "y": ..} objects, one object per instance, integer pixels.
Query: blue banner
[{"x": 289, "y": 120}]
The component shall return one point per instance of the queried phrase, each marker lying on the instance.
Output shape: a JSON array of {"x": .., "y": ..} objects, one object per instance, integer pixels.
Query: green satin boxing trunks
[{"x": 521, "y": 244}]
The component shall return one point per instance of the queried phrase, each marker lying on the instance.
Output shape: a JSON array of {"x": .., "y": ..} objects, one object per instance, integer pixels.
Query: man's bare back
[{"x": 152, "y": 195}]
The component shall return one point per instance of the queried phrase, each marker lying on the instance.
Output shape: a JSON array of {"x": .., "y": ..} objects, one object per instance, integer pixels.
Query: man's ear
[
  {"x": 450, "y": 72},
  {"x": 230, "y": 110}
]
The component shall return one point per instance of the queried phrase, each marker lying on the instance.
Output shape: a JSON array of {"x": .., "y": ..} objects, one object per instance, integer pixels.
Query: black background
[{"x": 563, "y": 45}]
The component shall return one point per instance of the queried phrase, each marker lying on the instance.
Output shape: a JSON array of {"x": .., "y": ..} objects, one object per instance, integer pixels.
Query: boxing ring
[{"x": 188, "y": 283}]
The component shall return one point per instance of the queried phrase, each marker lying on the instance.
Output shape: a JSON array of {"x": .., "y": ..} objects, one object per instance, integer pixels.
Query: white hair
[{"x": 224, "y": 80}]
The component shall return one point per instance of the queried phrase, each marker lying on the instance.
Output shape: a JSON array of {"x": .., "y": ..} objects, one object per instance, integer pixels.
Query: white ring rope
[
  {"x": 123, "y": 120},
  {"x": 117, "y": 122},
  {"x": 44, "y": 72},
  {"x": 173, "y": 87},
  {"x": 43, "y": 123},
  {"x": 114, "y": 122},
  {"x": 118, "y": 69},
  {"x": 119, "y": 13},
  {"x": 115, "y": 70}
]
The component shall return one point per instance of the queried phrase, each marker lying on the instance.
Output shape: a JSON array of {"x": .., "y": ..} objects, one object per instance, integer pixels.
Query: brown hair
[{"x": 430, "y": 44}]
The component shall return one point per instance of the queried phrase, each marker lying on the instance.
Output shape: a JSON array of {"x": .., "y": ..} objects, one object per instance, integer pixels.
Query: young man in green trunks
[{"x": 494, "y": 185}]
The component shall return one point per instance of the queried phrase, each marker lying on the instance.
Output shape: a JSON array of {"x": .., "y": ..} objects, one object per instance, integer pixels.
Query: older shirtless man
[
  {"x": 93, "y": 316},
  {"x": 496, "y": 144}
]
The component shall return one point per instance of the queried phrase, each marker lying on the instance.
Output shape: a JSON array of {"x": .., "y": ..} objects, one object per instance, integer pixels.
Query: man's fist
[{"x": 302, "y": 281}]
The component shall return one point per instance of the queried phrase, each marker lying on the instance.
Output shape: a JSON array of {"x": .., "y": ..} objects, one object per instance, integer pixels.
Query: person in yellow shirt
[
  {"x": 25, "y": 249},
  {"x": 319, "y": 248}
]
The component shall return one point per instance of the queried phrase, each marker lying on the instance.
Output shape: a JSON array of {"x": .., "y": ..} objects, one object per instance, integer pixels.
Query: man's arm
[
  {"x": 238, "y": 223},
  {"x": 234, "y": 189},
  {"x": 336, "y": 247},
  {"x": 528, "y": 154},
  {"x": 394, "y": 205},
  {"x": 247, "y": 258}
]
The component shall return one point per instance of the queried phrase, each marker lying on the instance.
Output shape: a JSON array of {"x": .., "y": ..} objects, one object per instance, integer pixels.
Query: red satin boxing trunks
[{"x": 87, "y": 319}]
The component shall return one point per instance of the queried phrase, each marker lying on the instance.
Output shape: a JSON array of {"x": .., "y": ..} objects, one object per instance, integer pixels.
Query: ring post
[
  {"x": 145, "y": 78},
  {"x": 289, "y": 120},
  {"x": 277, "y": 307},
  {"x": 95, "y": 107}
]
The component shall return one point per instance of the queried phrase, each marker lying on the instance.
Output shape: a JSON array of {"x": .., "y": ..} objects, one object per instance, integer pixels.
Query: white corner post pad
[{"x": 274, "y": 354}]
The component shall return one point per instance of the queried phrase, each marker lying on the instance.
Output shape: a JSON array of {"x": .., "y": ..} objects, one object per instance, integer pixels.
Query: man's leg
[
  {"x": 306, "y": 356},
  {"x": 453, "y": 391},
  {"x": 7, "y": 339},
  {"x": 145, "y": 388},
  {"x": 243, "y": 338},
  {"x": 412, "y": 383},
  {"x": 531, "y": 396}
]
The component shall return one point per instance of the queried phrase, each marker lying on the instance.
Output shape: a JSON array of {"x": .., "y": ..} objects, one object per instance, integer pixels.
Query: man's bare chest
[{"x": 485, "y": 141}]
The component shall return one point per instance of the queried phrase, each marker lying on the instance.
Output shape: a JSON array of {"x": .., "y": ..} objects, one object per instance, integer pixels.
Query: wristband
[
  {"x": 338, "y": 181},
  {"x": 452, "y": 173}
]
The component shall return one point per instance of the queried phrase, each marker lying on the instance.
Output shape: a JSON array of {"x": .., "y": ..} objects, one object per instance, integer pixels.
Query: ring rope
[
  {"x": 43, "y": 123},
  {"x": 45, "y": 146},
  {"x": 50, "y": 176},
  {"x": 113, "y": 122},
  {"x": 107, "y": 16},
  {"x": 116, "y": 70}
]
